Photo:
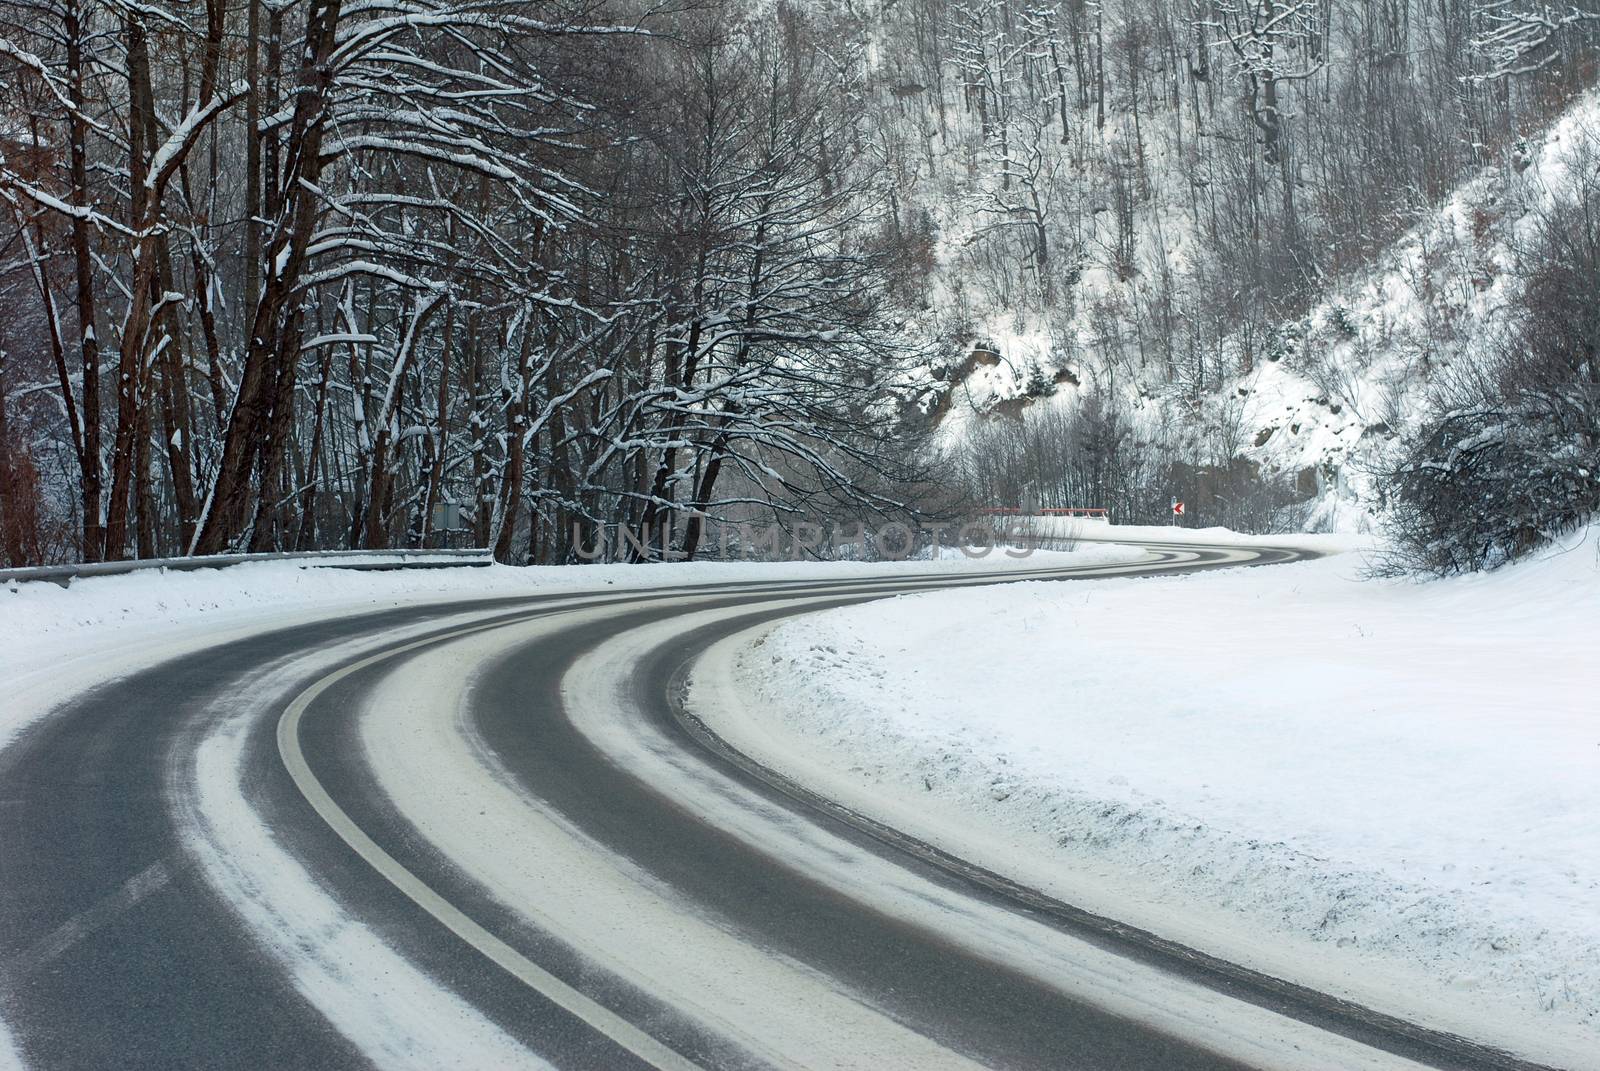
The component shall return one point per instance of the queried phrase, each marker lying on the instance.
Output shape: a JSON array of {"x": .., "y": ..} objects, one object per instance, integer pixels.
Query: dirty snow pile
[{"x": 1384, "y": 789}]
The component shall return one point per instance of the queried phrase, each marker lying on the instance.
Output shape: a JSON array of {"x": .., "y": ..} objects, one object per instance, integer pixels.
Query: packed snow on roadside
[{"x": 1386, "y": 789}]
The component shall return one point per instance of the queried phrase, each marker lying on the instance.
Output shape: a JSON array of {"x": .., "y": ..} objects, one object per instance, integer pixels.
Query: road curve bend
[{"x": 487, "y": 835}]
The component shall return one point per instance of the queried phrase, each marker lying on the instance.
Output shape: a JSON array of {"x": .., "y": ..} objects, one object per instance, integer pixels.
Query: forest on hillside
[{"x": 302, "y": 274}]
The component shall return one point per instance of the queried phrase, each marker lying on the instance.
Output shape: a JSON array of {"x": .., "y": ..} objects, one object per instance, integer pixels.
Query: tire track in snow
[
  {"x": 603, "y": 694},
  {"x": 10, "y": 1055},
  {"x": 393, "y": 1012}
]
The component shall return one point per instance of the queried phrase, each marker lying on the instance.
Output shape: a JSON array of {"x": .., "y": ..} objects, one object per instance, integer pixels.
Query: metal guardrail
[
  {"x": 319, "y": 559},
  {"x": 1093, "y": 513}
]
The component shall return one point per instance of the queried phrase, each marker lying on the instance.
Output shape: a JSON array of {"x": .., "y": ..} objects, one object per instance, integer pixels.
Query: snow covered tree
[
  {"x": 1518, "y": 38},
  {"x": 1271, "y": 42}
]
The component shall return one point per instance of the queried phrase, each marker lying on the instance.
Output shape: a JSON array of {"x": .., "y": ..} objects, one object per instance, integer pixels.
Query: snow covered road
[{"x": 482, "y": 833}]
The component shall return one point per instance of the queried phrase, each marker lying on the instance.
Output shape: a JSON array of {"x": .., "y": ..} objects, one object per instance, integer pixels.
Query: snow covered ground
[{"x": 1383, "y": 789}]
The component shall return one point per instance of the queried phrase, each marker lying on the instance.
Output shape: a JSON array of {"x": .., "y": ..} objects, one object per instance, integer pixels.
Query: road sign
[
  {"x": 1177, "y": 508},
  {"x": 446, "y": 516}
]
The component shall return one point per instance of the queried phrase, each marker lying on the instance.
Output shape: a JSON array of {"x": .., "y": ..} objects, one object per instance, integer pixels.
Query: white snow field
[{"x": 1384, "y": 789}]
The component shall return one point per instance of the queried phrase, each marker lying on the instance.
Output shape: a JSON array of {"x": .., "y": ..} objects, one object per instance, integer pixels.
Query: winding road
[{"x": 486, "y": 835}]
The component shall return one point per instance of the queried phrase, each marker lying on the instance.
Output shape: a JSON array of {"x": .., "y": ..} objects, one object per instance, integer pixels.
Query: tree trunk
[
  {"x": 94, "y": 540},
  {"x": 511, "y": 478},
  {"x": 129, "y": 468},
  {"x": 441, "y": 431},
  {"x": 273, "y": 339}
]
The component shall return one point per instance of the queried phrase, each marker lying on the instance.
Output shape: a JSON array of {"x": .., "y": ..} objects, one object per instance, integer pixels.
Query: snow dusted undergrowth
[{"x": 1384, "y": 789}]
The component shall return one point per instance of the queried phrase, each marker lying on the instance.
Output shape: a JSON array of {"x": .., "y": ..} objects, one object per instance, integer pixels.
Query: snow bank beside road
[
  {"x": 1386, "y": 790},
  {"x": 1090, "y": 533}
]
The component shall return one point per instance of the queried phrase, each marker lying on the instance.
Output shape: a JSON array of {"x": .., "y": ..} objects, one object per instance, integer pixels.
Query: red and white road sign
[{"x": 1177, "y": 508}]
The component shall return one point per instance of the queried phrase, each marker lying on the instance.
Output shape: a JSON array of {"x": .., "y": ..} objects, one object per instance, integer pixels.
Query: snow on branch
[{"x": 1520, "y": 38}]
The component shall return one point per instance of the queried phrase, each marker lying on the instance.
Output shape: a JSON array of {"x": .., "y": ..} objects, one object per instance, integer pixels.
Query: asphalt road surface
[{"x": 485, "y": 835}]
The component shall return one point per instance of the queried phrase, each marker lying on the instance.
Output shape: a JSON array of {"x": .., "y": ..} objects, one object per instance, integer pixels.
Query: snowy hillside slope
[
  {"x": 1332, "y": 781},
  {"x": 1355, "y": 372},
  {"x": 1341, "y": 385}
]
